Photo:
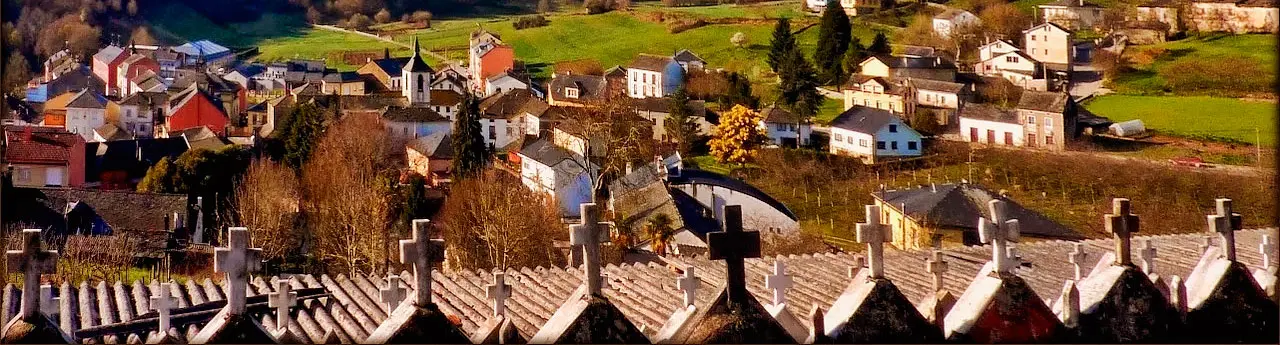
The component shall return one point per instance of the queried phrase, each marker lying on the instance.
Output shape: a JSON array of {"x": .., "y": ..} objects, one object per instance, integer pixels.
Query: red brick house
[
  {"x": 44, "y": 156},
  {"x": 193, "y": 108}
]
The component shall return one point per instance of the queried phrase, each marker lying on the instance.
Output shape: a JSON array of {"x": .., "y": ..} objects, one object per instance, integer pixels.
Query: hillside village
[{"x": 198, "y": 191}]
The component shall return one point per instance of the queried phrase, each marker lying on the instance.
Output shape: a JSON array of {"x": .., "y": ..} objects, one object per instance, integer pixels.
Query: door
[
  {"x": 1008, "y": 138},
  {"x": 991, "y": 136},
  {"x": 1031, "y": 140},
  {"x": 973, "y": 135}
]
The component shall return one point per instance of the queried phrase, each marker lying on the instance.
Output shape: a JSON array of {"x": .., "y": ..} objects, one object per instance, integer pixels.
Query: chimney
[
  {"x": 386, "y": 53},
  {"x": 628, "y": 169}
]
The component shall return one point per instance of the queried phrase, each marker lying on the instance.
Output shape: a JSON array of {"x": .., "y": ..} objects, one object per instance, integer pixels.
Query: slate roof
[
  {"x": 438, "y": 145},
  {"x": 392, "y": 66},
  {"x": 890, "y": 86},
  {"x": 1053, "y": 102},
  {"x": 645, "y": 293},
  {"x": 48, "y": 145},
  {"x": 545, "y": 152},
  {"x": 589, "y": 86},
  {"x": 146, "y": 98},
  {"x": 445, "y": 97},
  {"x": 1157, "y": 3},
  {"x": 697, "y": 107},
  {"x": 1072, "y": 4},
  {"x": 914, "y": 62},
  {"x": 774, "y": 114},
  {"x": 950, "y": 13},
  {"x": 341, "y": 77},
  {"x": 960, "y": 205},
  {"x": 937, "y": 85},
  {"x": 108, "y": 53},
  {"x": 684, "y": 55},
  {"x": 134, "y": 156},
  {"x": 511, "y": 103},
  {"x": 862, "y": 119},
  {"x": 695, "y": 176},
  {"x": 112, "y": 132},
  {"x": 415, "y": 63},
  {"x": 1259, "y": 3},
  {"x": 650, "y": 62},
  {"x": 250, "y": 70},
  {"x": 988, "y": 112},
  {"x": 88, "y": 99},
  {"x": 412, "y": 114},
  {"x": 201, "y": 137}
]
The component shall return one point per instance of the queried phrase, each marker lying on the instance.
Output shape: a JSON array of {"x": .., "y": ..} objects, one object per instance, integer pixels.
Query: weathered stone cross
[
  {"x": 688, "y": 284},
  {"x": 48, "y": 302},
  {"x": 283, "y": 298},
  {"x": 162, "y": 302},
  {"x": 1225, "y": 223},
  {"x": 588, "y": 235},
  {"x": 1122, "y": 225},
  {"x": 237, "y": 260},
  {"x": 734, "y": 246},
  {"x": 392, "y": 294},
  {"x": 1148, "y": 256},
  {"x": 936, "y": 266},
  {"x": 998, "y": 232},
  {"x": 1267, "y": 247},
  {"x": 873, "y": 233},
  {"x": 498, "y": 292},
  {"x": 779, "y": 282},
  {"x": 422, "y": 252},
  {"x": 31, "y": 261},
  {"x": 1077, "y": 257}
]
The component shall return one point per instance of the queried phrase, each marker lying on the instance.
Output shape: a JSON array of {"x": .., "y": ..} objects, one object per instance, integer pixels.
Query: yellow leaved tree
[{"x": 738, "y": 135}]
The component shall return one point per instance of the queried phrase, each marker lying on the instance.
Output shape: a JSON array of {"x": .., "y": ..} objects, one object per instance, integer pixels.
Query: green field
[
  {"x": 831, "y": 108},
  {"x": 177, "y": 22},
  {"x": 1194, "y": 116},
  {"x": 1230, "y": 65},
  {"x": 319, "y": 44}
]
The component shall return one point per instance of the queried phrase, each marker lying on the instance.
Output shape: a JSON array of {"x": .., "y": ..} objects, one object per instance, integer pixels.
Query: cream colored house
[
  {"x": 1049, "y": 43},
  {"x": 1248, "y": 16},
  {"x": 875, "y": 92}
]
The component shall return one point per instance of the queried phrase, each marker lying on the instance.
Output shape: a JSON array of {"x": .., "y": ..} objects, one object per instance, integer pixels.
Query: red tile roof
[{"x": 48, "y": 145}]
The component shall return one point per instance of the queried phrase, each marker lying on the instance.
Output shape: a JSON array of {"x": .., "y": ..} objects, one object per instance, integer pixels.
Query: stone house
[
  {"x": 1235, "y": 16},
  {"x": 951, "y": 19},
  {"x": 1073, "y": 14}
]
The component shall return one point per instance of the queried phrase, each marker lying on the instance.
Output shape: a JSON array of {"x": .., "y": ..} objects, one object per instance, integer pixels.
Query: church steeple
[{"x": 416, "y": 78}]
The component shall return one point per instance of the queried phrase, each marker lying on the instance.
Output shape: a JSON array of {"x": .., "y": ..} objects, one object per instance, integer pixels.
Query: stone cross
[
  {"x": 498, "y": 292},
  {"x": 199, "y": 230},
  {"x": 162, "y": 302},
  {"x": 283, "y": 298},
  {"x": 237, "y": 260},
  {"x": 1208, "y": 242},
  {"x": 688, "y": 284},
  {"x": 873, "y": 233},
  {"x": 936, "y": 266},
  {"x": 779, "y": 282},
  {"x": 31, "y": 261},
  {"x": 588, "y": 235},
  {"x": 48, "y": 302},
  {"x": 422, "y": 252},
  {"x": 734, "y": 246},
  {"x": 1122, "y": 225},
  {"x": 1148, "y": 256},
  {"x": 998, "y": 232},
  {"x": 392, "y": 294},
  {"x": 1070, "y": 304},
  {"x": 1225, "y": 223},
  {"x": 1077, "y": 257},
  {"x": 1267, "y": 247}
]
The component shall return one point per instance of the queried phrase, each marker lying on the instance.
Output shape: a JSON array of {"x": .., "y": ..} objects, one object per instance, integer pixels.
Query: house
[
  {"x": 1052, "y": 46},
  {"x": 60, "y": 62},
  {"x": 1048, "y": 118},
  {"x": 431, "y": 156},
  {"x": 449, "y": 79},
  {"x": 991, "y": 125},
  {"x": 656, "y": 110},
  {"x": 872, "y": 134},
  {"x": 204, "y": 52},
  {"x": 86, "y": 111},
  {"x": 875, "y": 92},
  {"x": 386, "y": 71},
  {"x": 44, "y": 156},
  {"x": 1072, "y": 14},
  {"x": 488, "y": 57},
  {"x": 246, "y": 76},
  {"x": 642, "y": 194},
  {"x": 785, "y": 128},
  {"x": 714, "y": 191},
  {"x": 558, "y": 172},
  {"x": 1001, "y": 59},
  {"x": 121, "y": 164},
  {"x": 851, "y": 8},
  {"x": 952, "y": 19},
  {"x": 1235, "y": 16},
  {"x": 129, "y": 70},
  {"x": 942, "y": 98},
  {"x": 575, "y": 90},
  {"x": 887, "y": 66},
  {"x": 105, "y": 63},
  {"x": 653, "y": 76},
  {"x": 1161, "y": 11},
  {"x": 72, "y": 80},
  {"x": 416, "y": 78},
  {"x": 503, "y": 116},
  {"x": 169, "y": 60},
  {"x": 192, "y": 107},
  {"x": 65, "y": 211},
  {"x": 947, "y": 214},
  {"x": 343, "y": 83},
  {"x": 503, "y": 82},
  {"x": 231, "y": 97},
  {"x": 147, "y": 81},
  {"x": 445, "y": 103},
  {"x": 407, "y": 123},
  {"x": 54, "y": 111},
  {"x": 139, "y": 112},
  {"x": 689, "y": 61}
]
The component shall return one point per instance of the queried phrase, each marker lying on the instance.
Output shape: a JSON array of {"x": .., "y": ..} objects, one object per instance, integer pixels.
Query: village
[{"x": 823, "y": 172}]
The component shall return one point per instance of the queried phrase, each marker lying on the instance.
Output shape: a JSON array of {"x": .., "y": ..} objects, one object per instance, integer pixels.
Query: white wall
[
  {"x": 851, "y": 143},
  {"x": 789, "y": 130},
  {"x": 504, "y": 131},
  {"x": 966, "y": 124},
  {"x": 756, "y": 214},
  {"x": 902, "y": 137},
  {"x": 136, "y": 121},
  {"x": 567, "y": 183},
  {"x": 937, "y": 99},
  {"x": 644, "y": 84},
  {"x": 83, "y": 121},
  {"x": 496, "y": 86}
]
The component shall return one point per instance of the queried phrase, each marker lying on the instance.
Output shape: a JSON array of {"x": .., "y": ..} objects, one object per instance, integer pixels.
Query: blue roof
[{"x": 201, "y": 48}]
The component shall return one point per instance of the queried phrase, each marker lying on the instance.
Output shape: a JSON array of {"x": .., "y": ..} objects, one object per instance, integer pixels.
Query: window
[
  {"x": 571, "y": 93},
  {"x": 893, "y": 128},
  {"x": 1048, "y": 139},
  {"x": 1008, "y": 138},
  {"x": 1048, "y": 122},
  {"x": 862, "y": 142},
  {"x": 911, "y": 145},
  {"x": 839, "y": 137},
  {"x": 1033, "y": 37},
  {"x": 928, "y": 97},
  {"x": 1031, "y": 119},
  {"x": 493, "y": 133},
  {"x": 405, "y": 130},
  {"x": 781, "y": 127},
  {"x": 879, "y": 145},
  {"x": 510, "y": 131},
  {"x": 850, "y": 140},
  {"x": 1031, "y": 140},
  {"x": 1013, "y": 59},
  {"x": 893, "y": 145},
  {"x": 420, "y": 83}
]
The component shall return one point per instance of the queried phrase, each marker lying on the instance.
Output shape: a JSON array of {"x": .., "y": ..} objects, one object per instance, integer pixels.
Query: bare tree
[
  {"x": 267, "y": 202},
  {"x": 346, "y": 206},
  {"x": 609, "y": 134},
  {"x": 492, "y": 221}
]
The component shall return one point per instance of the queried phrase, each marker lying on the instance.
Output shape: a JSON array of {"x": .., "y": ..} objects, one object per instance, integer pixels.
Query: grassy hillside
[
  {"x": 1198, "y": 66},
  {"x": 179, "y": 23},
  {"x": 1196, "y": 117},
  {"x": 323, "y": 44}
]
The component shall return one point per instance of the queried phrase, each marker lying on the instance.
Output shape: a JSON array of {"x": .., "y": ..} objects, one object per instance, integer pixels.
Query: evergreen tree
[
  {"x": 738, "y": 93},
  {"x": 300, "y": 133},
  {"x": 833, "y": 40},
  {"x": 681, "y": 125},
  {"x": 798, "y": 89},
  {"x": 469, "y": 152},
  {"x": 782, "y": 43},
  {"x": 880, "y": 46},
  {"x": 854, "y": 56}
]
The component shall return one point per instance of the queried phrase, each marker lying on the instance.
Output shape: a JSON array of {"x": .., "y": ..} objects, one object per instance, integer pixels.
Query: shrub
[
  {"x": 532, "y": 21},
  {"x": 683, "y": 25},
  {"x": 382, "y": 17}
]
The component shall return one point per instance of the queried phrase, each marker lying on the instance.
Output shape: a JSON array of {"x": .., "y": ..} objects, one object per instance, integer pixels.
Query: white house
[
  {"x": 851, "y": 7},
  {"x": 404, "y": 124},
  {"x": 987, "y": 124},
  {"x": 1015, "y": 66},
  {"x": 559, "y": 173},
  {"x": 871, "y": 134},
  {"x": 445, "y": 103},
  {"x": 647, "y": 76},
  {"x": 86, "y": 112},
  {"x": 139, "y": 111},
  {"x": 946, "y": 22},
  {"x": 502, "y": 116},
  {"x": 503, "y": 82},
  {"x": 656, "y": 111},
  {"x": 1049, "y": 43},
  {"x": 785, "y": 128}
]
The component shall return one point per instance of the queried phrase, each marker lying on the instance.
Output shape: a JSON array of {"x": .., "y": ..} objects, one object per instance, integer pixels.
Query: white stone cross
[
  {"x": 498, "y": 292},
  {"x": 1267, "y": 247},
  {"x": 162, "y": 302},
  {"x": 1077, "y": 257},
  {"x": 873, "y": 233},
  {"x": 936, "y": 266},
  {"x": 1148, "y": 256},
  {"x": 31, "y": 261},
  {"x": 283, "y": 298},
  {"x": 779, "y": 282},
  {"x": 392, "y": 294},
  {"x": 688, "y": 284},
  {"x": 588, "y": 235},
  {"x": 1225, "y": 223},
  {"x": 1122, "y": 225},
  {"x": 422, "y": 252},
  {"x": 998, "y": 232},
  {"x": 237, "y": 260},
  {"x": 48, "y": 302}
]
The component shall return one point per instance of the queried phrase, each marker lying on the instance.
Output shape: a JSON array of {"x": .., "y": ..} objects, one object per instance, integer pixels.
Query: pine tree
[
  {"x": 857, "y": 52},
  {"x": 833, "y": 40},
  {"x": 469, "y": 152},
  {"x": 681, "y": 125},
  {"x": 880, "y": 46},
  {"x": 798, "y": 89},
  {"x": 301, "y": 131},
  {"x": 738, "y": 93},
  {"x": 782, "y": 43}
]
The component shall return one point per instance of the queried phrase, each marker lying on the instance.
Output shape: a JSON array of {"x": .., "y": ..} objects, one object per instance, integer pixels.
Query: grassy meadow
[
  {"x": 1212, "y": 64},
  {"x": 1194, "y": 116}
]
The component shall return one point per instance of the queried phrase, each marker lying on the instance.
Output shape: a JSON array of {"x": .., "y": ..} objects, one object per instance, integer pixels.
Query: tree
[
  {"x": 738, "y": 136},
  {"x": 17, "y": 72},
  {"x": 781, "y": 45},
  {"x": 660, "y": 233},
  {"x": 142, "y": 35},
  {"x": 833, "y": 40},
  {"x": 1004, "y": 21},
  {"x": 544, "y": 6},
  {"x": 853, "y": 58},
  {"x": 346, "y": 199},
  {"x": 621, "y": 5},
  {"x": 382, "y": 17},
  {"x": 359, "y": 21},
  {"x": 159, "y": 178},
  {"x": 739, "y": 39},
  {"x": 492, "y": 221},
  {"x": 132, "y": 8},
  {"x": 738, "y": 92},
  {"x": 268, "y": 203},
  {"x": 880, "y": 45},
  {"x": 301, "y": 130},
  {"x": 469, "y": 151},
  {"x": 681, "y": 126},
  {"x": 68, "y": 32},
  {"x": 798, "y": 89},
  {"x": 611, "y": 135}
]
